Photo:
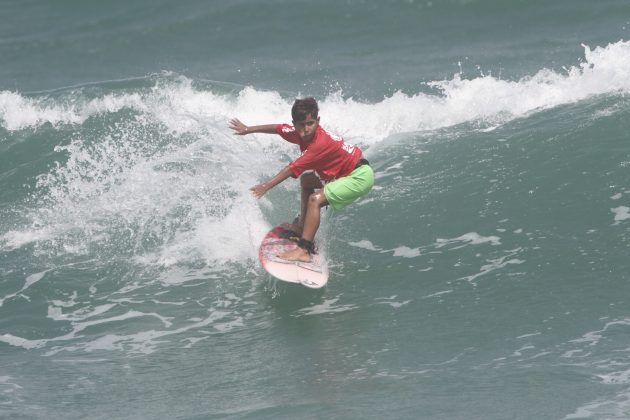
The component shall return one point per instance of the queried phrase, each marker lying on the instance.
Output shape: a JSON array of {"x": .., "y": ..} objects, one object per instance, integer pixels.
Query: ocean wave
[
  {"x": 182, "y": 106},
  {"x": 167, "y": 182}
]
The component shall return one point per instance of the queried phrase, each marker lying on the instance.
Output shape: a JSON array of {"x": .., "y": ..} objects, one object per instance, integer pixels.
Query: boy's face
[{"x": 307, "y": 127}]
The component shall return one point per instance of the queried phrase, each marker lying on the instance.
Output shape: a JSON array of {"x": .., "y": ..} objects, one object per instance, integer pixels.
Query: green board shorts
[{"x": 343, "y": 191}]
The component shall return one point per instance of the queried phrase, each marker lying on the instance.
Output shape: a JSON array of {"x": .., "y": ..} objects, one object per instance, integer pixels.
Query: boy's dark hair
[{"x": 302, "y": 107}]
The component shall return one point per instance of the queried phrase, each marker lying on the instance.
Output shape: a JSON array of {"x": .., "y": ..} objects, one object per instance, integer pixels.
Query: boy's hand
[
  {"x": 238, "y": 127},
  {"x": 259, "y": 190}
]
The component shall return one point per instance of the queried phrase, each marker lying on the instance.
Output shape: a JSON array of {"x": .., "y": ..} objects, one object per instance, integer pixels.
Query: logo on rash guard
[
  {"x": 334, "y": 137},
  {"x": 345, "y": 146},
  {"x": 288, "y": 129}
]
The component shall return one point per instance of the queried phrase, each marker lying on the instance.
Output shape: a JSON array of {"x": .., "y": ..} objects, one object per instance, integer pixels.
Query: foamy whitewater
[{"x": 485, "y": 276}]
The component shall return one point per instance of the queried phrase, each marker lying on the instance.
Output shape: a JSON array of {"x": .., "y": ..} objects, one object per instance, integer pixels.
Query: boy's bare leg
[
  {"x": 315, "y": 202},
  {"x": 309, "y": 182}
]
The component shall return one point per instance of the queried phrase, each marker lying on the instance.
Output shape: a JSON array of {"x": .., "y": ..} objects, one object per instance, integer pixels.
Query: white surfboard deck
[{"x": 313, "y": 274}]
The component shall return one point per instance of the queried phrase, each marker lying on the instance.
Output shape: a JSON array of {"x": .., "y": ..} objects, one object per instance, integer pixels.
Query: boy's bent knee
[{"x": 318, "y": 198}]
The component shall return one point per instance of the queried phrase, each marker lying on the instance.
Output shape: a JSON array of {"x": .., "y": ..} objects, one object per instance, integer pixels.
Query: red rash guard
[{"x": 327, "y": 154}]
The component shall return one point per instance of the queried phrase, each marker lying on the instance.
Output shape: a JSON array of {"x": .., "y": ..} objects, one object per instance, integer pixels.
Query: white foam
[
  {"x": 493, "y": 265},
  {"x": 616, "y": 378},
  {"x": 67, "y": 304},
  {"x": 400, "y": 251},
  {"x": 184, "y": 108},
  {"x": 616, "y": 407},
  {"x": 192, "y": 201},
  {"x": 55, "y": 313},
  {"x": 391, "y": 302},
  {"x": 528, "y": 335},
  {"x": 471, "y": 238},
  {"x": 34, "y": 278},
  {"x": 486, "y": 98},
  {"x": 406, "y": 252},
  {"x": 18, "y": 112},
  {"x": 30, "y": 280},
  {"x": 144, "y": 342},
  {"x": 15, "y": 239},
  {"x": 327, "y": 307},
  {"x": 519, "y": 352},
  {"x": 365, "y": 244},
  {"x": 9, "y": 385},
  {"x": 436, "y": 294},
  {"x": 21, "y": 342},
  {"x": 228, "y": 326},
  {"x": 621, "y": 213},
  {"x": 185, "y": 188},
  {"x": 592, "y": 338}
]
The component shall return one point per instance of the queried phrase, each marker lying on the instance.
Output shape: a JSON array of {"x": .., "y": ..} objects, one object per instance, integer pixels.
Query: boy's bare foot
[
  {"x": 297, "y": 254},
  {"x": 293, "y": 227}
]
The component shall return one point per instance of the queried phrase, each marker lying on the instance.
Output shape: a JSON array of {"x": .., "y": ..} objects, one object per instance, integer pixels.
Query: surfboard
[{"x": 313, "y": 274}]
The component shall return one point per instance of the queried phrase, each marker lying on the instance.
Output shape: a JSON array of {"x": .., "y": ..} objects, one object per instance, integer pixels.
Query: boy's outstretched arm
[
  {"x": 241, "y": 129},
  {"x": 260, "y": 189}
]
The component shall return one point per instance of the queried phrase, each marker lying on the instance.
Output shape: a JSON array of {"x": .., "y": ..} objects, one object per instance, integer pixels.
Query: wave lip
[
  {"x": 180, "y": 106},
  {"x": 18, "y": 112}
]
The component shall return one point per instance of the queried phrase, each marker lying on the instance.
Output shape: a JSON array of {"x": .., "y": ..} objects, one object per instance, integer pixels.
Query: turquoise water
[{"x": 485, "y": 276}]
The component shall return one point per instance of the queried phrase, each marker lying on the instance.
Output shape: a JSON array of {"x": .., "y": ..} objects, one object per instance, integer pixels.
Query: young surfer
[{"x": 341, "y": 174}]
